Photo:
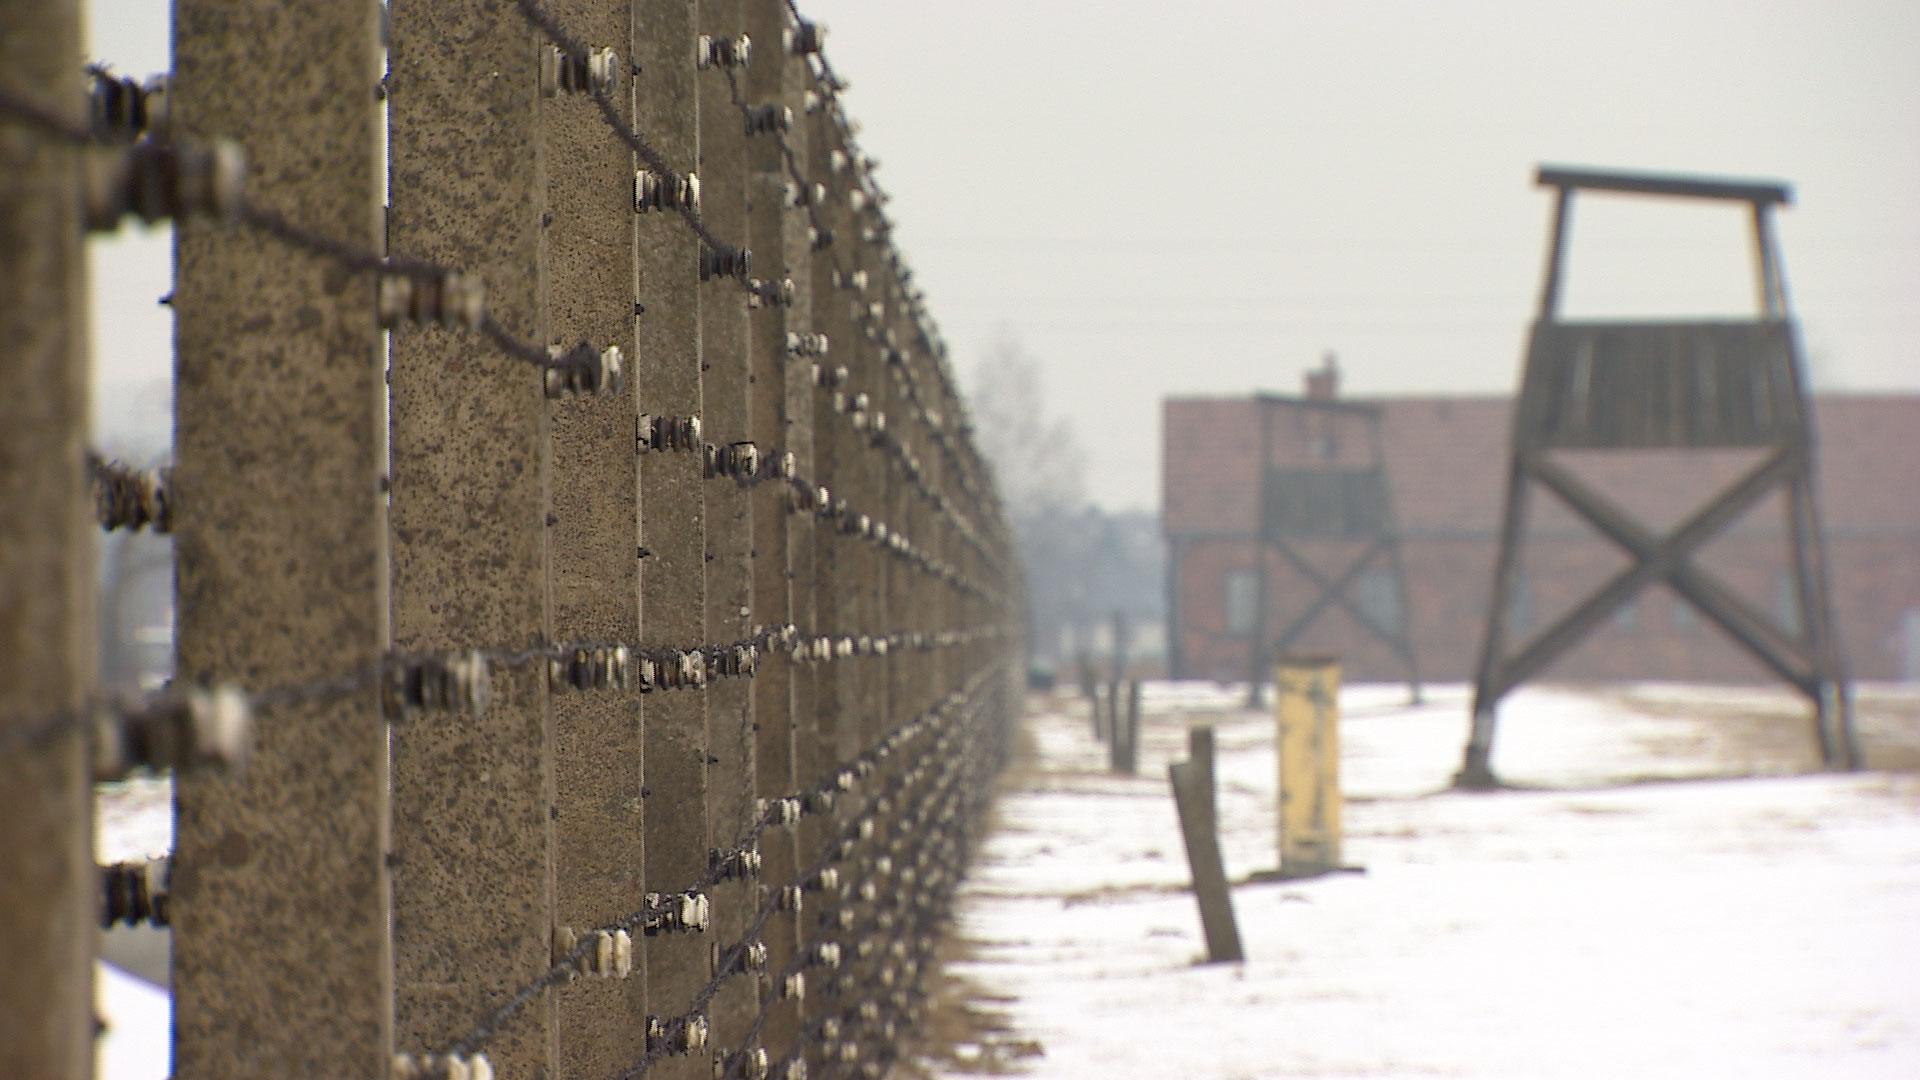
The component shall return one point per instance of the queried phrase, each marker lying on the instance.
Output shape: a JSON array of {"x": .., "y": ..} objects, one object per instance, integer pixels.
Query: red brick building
[{"x": 1446, "y": 463}]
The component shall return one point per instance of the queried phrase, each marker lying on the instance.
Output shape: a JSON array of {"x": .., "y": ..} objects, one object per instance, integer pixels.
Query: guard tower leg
[
  {"x": 1832, "y": 701},
  {"x": 1476, "y": 767}
]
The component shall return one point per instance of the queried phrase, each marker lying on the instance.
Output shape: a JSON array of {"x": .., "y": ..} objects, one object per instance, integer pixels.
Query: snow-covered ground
[
  {"x": 138, "y": 1017},
  {"x": 1669, "y": 888},
  {"x": 133, "y": 820}
]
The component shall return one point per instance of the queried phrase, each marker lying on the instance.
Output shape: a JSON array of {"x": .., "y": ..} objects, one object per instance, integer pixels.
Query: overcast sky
[{"x": 1199, "y": 198}]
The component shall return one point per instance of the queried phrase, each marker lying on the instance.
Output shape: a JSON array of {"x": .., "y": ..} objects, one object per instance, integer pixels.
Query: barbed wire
[
  {"x": 459, "y": 679},
  {"x": 557, "y": 34},
  {"x": 923, "y": 908},
  {"x": 150, "y": 185},
  {"x": 908, "y": 823},
  {"x": 577, "y": 368},
  {"x": 125, "y": 497},
  {"x": 788, "y": 810},
  {"x": 749, "y": 466},
  {"x": 47, "y": 121},
  {"x": 415, "y": 290},
  {"x": 895, "y": 449},
  {"x": 855, "y": 407},
  {"x": 805, "y": 196}
]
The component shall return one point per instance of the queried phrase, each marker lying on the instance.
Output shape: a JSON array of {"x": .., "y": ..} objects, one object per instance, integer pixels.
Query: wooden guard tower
[
  {"x": 1679, "y": 386},
  {"x": 1323, "y": 482}
]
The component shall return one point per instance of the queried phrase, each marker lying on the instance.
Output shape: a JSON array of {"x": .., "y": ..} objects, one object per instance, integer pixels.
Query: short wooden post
[
  {"x": 1307, "y": 714},
  {"x": 1132, "y": 762},
  {"x": 1194, "y": 800},
  {"x": 1123, "y": 755}
]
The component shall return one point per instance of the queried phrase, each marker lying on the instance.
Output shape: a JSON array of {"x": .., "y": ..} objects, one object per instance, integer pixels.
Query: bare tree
[
  {"x": 1041, "y": 472},
  {"x": 1036, "y": 458}
]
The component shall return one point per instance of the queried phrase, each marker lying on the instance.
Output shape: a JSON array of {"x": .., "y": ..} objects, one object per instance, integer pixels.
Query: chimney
[{"x": 1323, "y": 383}]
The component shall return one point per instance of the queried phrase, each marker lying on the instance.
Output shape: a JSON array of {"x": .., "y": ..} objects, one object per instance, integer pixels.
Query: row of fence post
[
  {"x": 1114, "y": 710},
  {"x": 370, "y": 886},
  {"x": 1114, "y": 707}
]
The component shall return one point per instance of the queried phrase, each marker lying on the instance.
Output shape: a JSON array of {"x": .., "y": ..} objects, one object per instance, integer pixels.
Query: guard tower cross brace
[
  {"x": 1679, "y": 386},
  {"x": 1337, "y": 493}
]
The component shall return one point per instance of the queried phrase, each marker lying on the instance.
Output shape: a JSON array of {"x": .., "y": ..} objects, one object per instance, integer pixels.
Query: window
[
  {"x": 1378, "y": 599},
  {"x": 1786, "y": 603},
  {"x": 1519, "y": 605},
  {"x": 1243, "y": 599}
]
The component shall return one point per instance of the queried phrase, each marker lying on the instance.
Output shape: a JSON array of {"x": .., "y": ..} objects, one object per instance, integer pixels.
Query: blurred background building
[{"x": 1446, "y": 459}]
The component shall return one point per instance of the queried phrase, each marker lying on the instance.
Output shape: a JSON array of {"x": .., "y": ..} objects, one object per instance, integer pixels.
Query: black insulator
[
  {"x": 182, "y": 728},
  {"x": 121, "y": 109},
  {"x": 725, "y": 261},
  {"x": 799, "y": 344},
  {"x": 126, "y": 498},
  {"x": 767, "y": 119},
  {"x": 596, "y": 71},
  {"x": 740, "y": 461},
  {"x": 669, "y": 433},
  {"x": 805, "y": 37},
  {"x": 583, "y": 370},
  {"x": 447, "y": 299},
  {"x": 679, "y": 1035},
  {"x": 156, "y": 181},
  {"x": 773, "y": 293},
  {"x": 677, "y": 913},
  {"x": 454, "y": 682},
  {"x": 135, "y": 892},
  {"x": 592, "y": 667},
  {"x": 724, "y": 52},
  {"x": 665, "y": 191}
]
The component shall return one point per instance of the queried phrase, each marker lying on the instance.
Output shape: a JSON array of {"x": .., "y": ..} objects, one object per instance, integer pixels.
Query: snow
[
  {"x": 137, "y": 1042},
  {"x": 1670, "y": 888},
  {"x": 133, "y": 819}
]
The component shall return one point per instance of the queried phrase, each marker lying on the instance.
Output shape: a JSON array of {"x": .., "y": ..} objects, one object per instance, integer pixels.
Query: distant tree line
[{"x": 1083, "y": 563}]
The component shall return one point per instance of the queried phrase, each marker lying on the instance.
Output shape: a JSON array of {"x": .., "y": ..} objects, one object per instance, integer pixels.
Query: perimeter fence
[{"x": 596, "y": 626}]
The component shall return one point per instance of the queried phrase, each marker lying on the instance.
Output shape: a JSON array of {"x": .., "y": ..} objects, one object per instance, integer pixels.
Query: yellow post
[{"x": 1307, "y": 711}]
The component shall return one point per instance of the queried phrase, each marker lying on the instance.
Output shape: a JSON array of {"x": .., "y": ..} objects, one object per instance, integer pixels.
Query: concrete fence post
[
  {"x": 280, "y": 537},
  {"x": 786, "y": 749},
  {"x": 593, "y": 578},
  {"x": 726, "y": 414},
  {"x": 376, "y": 466},
  {"x": 47, "y": 880},
  {"x": 836, "y": 727},
  {"x": 473, "y": 796},
  {"x": 673, "y": 527}
]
